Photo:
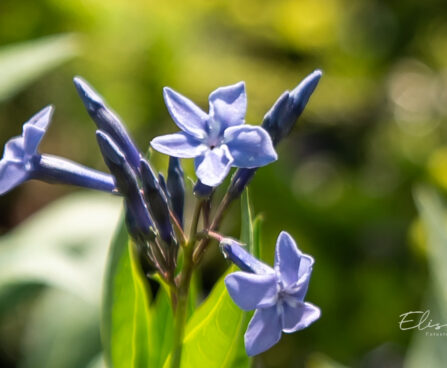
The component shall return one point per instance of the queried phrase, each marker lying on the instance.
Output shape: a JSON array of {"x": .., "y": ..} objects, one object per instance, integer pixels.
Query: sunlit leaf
[
  {"x": 213, "y": 332},
  {"x": 162, "y": 328},
  {"x": 126, "y": 316}
]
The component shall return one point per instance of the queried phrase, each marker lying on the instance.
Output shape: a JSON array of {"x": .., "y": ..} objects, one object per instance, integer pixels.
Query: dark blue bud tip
[
  {"x": 202, "y": 190},
  {"x": 88, "y": 95},
  {"x": 305, "y": 89},
  {"x": 109, "y": 149}
]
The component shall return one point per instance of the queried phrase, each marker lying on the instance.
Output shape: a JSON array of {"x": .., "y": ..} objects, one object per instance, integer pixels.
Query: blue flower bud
[
  {"x": 53, "y": 169},
  {"x": 283, "y": 115},
  {"x": 107, "y": 121},
  {"x": 278, "y": 122},
  {"x": 202, "y": 190},
  {"x": 240, "y": 180},
  {"x": 158, "y": 203},
  {"x": 241, "y": 258},
  {"x": 176, "y": 187},
  {"x": 138, "y": 218},
  {"x": 163, "y": 186}
]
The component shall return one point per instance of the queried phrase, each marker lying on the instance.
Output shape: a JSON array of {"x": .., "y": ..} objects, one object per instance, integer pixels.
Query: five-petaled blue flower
[
  {"x": 276, "y": 294},
  {"x": 217, "y": 140}
]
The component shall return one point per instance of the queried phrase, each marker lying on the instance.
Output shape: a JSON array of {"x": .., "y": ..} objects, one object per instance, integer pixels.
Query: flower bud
[
  {"x": 107, "y": 121},
  {"x": 176, "y": 187}
]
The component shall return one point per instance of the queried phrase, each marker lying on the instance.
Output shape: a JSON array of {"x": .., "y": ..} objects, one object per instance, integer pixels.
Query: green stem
[
  {"x": 183, "y": 290},
  {"x": 182, "y": 304},
  {"x": 200, "y": 249}
]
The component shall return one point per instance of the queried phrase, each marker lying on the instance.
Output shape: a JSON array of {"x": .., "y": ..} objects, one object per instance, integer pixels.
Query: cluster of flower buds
[{"x": 149, "y": 206}]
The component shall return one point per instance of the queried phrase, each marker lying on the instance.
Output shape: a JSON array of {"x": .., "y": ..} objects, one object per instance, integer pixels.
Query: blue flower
[
  {"x": 217, "y": 140},
  {"x": 276, "y": 293},
  {"x": 21, "y": 161}
]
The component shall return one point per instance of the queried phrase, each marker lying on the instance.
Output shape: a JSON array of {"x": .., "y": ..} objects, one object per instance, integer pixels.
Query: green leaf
[
  {"x": 61, "y": 321},
  {"x": 62, "y": 246},
  {"x": 21, "y": 64},
  {"x": 257, "y": 246},
  {"x": 246, "y": 221},
  {"x": 126, "y": 314},
  {"x": 250, "y": 235},
  {"x": 60, "y": 252},
  {"x": 213, "y": 332},
  {"x": 162, "y": 328}
]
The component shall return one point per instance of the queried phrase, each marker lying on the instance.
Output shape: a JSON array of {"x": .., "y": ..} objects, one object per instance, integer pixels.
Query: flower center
[{"x": 214, "y": 137}]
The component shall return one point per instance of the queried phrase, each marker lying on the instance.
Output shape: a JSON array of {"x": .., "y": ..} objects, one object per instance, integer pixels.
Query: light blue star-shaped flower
[
  {"x": 217, "y": 140},
  {"x": 276, "y": 293}
]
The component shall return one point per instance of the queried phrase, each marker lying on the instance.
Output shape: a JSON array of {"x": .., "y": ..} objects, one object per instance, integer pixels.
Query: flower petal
[
  {"x": 14, "y": 150},
  {"x": 290, "y": 262},
  {"x": 243, "y": 259},
  {"x": 186, "y": 114},
  {"x": 250, "y": 291},
  {"x": 214, "y": 165},
  {"x": 42, "y": 119},
  {"x": 11, "y": 175},
  {"x": 228, "y": 105},
  {"x": 179, "y": 145},
  {"x": 264, "y": 331},
  {"x": 251, "y": 146},
  {"x": 298, "y": 317},
  {"x": 35, "y": 128}
]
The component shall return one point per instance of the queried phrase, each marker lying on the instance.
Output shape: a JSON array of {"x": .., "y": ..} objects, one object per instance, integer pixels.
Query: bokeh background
[{"x": 344, "y": 186}]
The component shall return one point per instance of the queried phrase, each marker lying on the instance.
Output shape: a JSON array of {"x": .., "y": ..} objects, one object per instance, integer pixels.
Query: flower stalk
[{"x": 181, "y": 299}]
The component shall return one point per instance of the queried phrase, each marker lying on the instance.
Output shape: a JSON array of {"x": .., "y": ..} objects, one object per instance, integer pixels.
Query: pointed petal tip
[
  {"x": 317, "y": 72},
  {"x": 108, "y": 148},
  {"x": 88, "y": 95},
  {"x": 42, "y": 118},
  {"x": 312, "y": 79}
]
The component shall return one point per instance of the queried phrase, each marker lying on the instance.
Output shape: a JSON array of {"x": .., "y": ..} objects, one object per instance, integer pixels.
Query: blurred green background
[{"x": 343, "y": 187}]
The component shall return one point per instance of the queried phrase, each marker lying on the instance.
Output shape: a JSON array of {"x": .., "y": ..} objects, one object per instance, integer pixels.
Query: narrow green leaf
[
  {"x": 246, "y": 221},
  {"x": 251, "y": 238},
  {"x": 126, "y": 316},
  {"x": 257, "y": 246},
  {"x": 21, "y": 64}
]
